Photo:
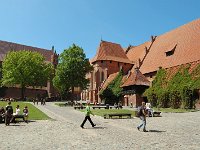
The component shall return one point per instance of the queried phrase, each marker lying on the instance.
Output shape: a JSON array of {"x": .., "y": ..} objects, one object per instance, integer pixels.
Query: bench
[
  {"x": 18, "y": 117},
  {"x": 156, "y": 114},
  {"x": 99, "y": 107},
  {"x": 79, "y": 107},
  {"x": 118, "y": 115}
]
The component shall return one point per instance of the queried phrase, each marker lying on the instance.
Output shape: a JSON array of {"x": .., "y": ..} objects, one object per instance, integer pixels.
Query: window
[
  {"x": 102, "y": 61},
  {"x": 110, "y": 61},
  {"x": 170, "y": 52},
  {"x": 102, "y": 76}
]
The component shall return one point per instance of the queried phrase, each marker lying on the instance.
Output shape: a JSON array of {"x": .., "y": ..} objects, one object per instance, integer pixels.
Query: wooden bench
[
  {"x": 118, "y": 115},
  {"x": 99, "y": 107},
  {"x": 18, "y": 117},
  {"x": 79, "y": 107},
  {"x": 156, "y": 114}
]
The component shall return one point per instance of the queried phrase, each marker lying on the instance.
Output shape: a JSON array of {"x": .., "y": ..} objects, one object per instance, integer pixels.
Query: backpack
[
  {"x": 9, "y": 109},
  {"x": 139, "y": 111}
]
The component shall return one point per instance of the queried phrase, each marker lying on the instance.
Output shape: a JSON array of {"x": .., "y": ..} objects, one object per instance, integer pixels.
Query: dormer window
[{"x": 170, "y": 52}]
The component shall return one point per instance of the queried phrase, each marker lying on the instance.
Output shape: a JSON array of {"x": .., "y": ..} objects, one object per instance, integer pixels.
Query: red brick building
[
  {"x": 170, "y": 50},
  {"x": 109, "y": 59},
  {"x": 50, "y": 57}
]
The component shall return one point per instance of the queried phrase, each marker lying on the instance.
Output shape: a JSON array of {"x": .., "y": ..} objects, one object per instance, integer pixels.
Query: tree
[
  {"x": 113, "y": 91},
  {"x": 157, "y": 94},
  {"x": 71, "y": 70},
  {"x": 25, "y": 68}
]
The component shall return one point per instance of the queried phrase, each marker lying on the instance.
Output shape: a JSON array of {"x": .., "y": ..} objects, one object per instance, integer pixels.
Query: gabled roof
[
  {"x": 110, "y": 51},
  {"x": 183, "y": 42},
  {"x": 5, "y": 47},
  {"x": 135, "y": 77},
  {"x": 110, "y": 78}
]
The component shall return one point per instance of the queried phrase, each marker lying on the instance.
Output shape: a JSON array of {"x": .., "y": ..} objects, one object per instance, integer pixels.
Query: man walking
[
  {"x": 142, "y": 115},
  {"x": 87, "y": 116}
]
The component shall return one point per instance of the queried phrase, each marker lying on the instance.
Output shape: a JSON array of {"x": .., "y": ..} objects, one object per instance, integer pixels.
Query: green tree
[
  {"x": 71, "y": 70},
  {"x": 25, "y": 68},
  {"x": 113, "y": 91},
  {"x": 157, "y": 94}
]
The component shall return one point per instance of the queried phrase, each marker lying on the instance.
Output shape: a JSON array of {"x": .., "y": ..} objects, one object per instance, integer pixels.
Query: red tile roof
[
  {"x": 110, "y": 78},
  {"x": 135, "y": 77},
  {"x": 110, "y": 51},
  {"x": 186, "y": 38},
  {"x": 173, "y": 70},
  {"x": 137, "y": 52},
  {"x": 5, "y": 47}
]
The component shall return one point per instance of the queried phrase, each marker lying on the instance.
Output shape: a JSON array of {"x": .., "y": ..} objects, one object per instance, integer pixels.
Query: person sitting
[
  {"x": 149, "y": 109},
  {"x": 115, "y": 106},
  {"x": 119, "y": 105},
  {"x": 2, "y": 114},
  {"x": 25, "y": 113},
  {"x": 17, "y": 115},
  {"x": 17, "y": 111}
]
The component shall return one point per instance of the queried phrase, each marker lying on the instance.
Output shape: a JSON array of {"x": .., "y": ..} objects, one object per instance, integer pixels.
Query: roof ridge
[{"x": 24, "y": 45}]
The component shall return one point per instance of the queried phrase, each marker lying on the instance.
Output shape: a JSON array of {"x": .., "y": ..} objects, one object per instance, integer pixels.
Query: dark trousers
[{"x": 87, "y": 117}]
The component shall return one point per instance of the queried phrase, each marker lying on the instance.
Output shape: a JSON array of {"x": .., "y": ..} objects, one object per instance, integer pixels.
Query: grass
[
  {"x": 101, "y": 112},
  {"x": 171, "y": 110},
  {"x": 34, "y": 113}
]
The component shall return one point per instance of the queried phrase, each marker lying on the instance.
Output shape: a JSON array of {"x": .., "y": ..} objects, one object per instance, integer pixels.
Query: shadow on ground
[{"x": 156, "y": 131}]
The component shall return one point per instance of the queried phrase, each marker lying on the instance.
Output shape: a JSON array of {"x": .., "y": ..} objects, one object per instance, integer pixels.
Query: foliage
[
  {"x": 113, "y": 91},
  {"x": 177, "y": 91},
  {"x": 71, "y": 70},
  {"x": 157, "y": 93},
  {"x": 25, "y": 68}
]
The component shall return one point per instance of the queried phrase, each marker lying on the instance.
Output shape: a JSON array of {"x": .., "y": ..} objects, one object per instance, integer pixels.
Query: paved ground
[{"x": 177, "y": 131}]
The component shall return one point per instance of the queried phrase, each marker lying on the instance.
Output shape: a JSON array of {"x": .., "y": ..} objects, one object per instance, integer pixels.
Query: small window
[
  {"x": 150, "y": 76},
  {"x": 102, "y": 61},
  {"x": 124, "y": 64},
  {"x": 118, "y": 64},
  {"x": 170, "y": 52},
  {"x": 111, "y": 61}
]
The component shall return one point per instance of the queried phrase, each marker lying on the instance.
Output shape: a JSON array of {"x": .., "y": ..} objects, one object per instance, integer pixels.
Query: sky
[{"x": 61, "y": 23}]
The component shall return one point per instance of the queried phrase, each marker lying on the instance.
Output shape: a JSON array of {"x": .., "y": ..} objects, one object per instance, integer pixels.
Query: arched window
[{"x": 102, "y": 76}]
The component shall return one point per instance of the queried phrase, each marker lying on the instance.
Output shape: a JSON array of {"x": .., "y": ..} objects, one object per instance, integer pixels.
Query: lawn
[
  {"x": 34, "y": 113},
  {"x": 101, "y": 112},
  {"x": 171, "y": 110}
]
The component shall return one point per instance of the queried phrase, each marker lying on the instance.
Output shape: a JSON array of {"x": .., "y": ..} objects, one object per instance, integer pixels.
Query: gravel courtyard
[{"x": 171, "y": 131}]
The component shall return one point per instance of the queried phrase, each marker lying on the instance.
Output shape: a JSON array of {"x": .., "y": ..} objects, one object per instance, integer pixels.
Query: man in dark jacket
[{"x": 142, "y": 114}]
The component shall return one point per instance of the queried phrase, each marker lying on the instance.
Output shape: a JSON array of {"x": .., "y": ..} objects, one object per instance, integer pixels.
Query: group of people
[
  {"x": 37, "y": 100},
  {"x": 9, "y": 116},
  {"x": 118, "y": 106},
  {"x": 143, "y": 111}
]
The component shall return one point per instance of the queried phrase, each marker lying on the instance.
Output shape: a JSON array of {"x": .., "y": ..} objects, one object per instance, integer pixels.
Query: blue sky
[{"x": 60, "y": 23}]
